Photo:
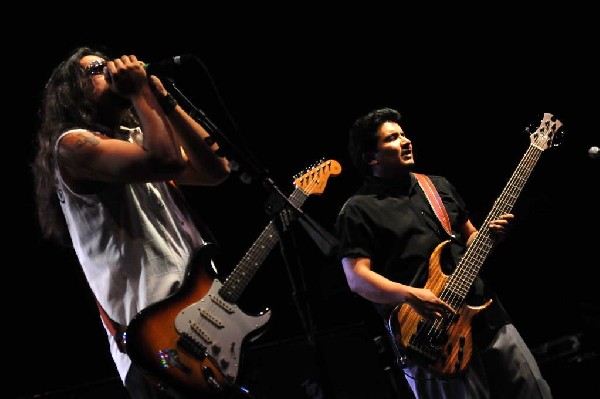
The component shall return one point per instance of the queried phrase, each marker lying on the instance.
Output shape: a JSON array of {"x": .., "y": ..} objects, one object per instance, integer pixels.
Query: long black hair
[{"x": 64, "y": 105}]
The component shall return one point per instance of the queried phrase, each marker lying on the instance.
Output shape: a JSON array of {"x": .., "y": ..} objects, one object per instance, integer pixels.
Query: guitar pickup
[
  {"x": 197, "y": 328},
  {"x": 217, "y": 323},
  {"x": 222, "y": 304}
]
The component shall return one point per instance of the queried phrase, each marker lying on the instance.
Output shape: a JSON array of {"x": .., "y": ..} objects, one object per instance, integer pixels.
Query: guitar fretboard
[
  {"x": 239, "y": 278},
  {"x": 459, "y": 284}
]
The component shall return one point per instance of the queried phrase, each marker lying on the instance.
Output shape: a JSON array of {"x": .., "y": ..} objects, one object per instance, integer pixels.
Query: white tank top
[{"x": 133, "y": 243}]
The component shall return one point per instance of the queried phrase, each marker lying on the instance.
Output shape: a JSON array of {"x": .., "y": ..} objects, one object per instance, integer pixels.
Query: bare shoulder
[
  {"x": 78, "y": 139},
  {"x": 76, "y": 150},
  {"x": 77, "y": 147}
]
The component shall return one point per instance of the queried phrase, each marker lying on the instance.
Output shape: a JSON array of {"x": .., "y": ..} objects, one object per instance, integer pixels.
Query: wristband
[{"x": 167, "y": 102}]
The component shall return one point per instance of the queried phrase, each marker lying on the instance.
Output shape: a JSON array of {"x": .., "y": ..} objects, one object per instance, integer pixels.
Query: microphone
[
  {"x": 593, "y": 152},
  {"x": 167, "y": 64}
]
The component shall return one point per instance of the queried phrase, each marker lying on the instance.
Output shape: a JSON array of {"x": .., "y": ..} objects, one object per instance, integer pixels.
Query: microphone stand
[
  {"x": 322, "y": 238},
  {"x": 277, "y": 204}
]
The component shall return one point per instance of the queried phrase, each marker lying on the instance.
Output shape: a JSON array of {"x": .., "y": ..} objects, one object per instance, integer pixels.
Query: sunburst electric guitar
[
  {"x": 444, "y": 345},
  {"x": 192, "y": 341}
]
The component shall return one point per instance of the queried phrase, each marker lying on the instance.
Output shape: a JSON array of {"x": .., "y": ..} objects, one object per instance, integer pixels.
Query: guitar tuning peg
[
  {"x": 559, "y": 136},
  {"x": 233, "y": 165},
  {"x": 245, "y": 178}
]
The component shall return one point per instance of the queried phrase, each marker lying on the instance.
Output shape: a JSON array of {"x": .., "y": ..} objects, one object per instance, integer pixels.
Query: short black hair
[{"x": 362, "y": 137}]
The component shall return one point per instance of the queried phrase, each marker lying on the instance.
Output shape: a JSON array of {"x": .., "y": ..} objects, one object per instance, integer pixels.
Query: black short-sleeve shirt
[{"x": 394, "y": 226}]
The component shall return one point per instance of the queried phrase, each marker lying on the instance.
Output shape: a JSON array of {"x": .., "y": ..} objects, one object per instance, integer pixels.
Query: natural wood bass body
[{"x": 444, "y": 346}]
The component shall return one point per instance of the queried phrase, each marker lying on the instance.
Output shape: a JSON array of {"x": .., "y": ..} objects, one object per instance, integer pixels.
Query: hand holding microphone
[
  {"x": 157, "y": 86},
  {"x": 166, "y": 100},
  {"x": 126, "y": 75}
]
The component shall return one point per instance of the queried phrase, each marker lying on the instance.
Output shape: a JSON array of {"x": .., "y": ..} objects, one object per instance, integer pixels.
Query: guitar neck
[
  {"x": 241, "y": 275},
  {"x": 461, "y": 280}
]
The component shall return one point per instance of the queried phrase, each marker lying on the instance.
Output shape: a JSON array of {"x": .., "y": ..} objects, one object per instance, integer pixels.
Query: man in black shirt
[{"x": 395, "y": 226}]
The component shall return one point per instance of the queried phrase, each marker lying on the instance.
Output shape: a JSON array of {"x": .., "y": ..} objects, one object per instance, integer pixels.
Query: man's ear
[{"x": 369, "y": 158}]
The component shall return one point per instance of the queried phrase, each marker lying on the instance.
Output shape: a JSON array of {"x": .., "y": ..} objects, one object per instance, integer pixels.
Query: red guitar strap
[
  {"x": 434, "y": 200},
  {"x": 113, "y": 327}
]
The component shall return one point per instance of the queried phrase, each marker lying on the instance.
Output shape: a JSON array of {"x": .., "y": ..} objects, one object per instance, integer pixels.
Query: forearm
[
  {"x": 376, "y": 288},
  {"x": 159, "y": 137},
  {"x": 471, "y": 238},
  {"x": 205, "y": 166},
  {"x": 200, "y": 147}
]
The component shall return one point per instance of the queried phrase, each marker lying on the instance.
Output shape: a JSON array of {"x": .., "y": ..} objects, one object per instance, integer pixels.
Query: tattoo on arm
[
  {"x": 84, "y": 139},
  {"x": 77, "y": 159}
]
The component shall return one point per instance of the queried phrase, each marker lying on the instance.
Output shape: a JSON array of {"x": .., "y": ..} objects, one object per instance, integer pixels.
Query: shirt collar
[{"x": 377, "y": 185}]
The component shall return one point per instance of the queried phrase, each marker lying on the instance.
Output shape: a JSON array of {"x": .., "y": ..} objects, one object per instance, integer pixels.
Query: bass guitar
[
  {"x": 192, "y": 341},
  {"x": 444, "y": 345}
]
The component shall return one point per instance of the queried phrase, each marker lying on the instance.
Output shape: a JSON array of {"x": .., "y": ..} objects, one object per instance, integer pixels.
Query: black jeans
[{"x": 140, "y": 387}]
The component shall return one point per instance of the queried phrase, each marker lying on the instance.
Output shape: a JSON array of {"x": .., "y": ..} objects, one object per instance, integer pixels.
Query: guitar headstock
[
  {"x": 314, "y": 180},
  {"x": 548, "y": 133}
]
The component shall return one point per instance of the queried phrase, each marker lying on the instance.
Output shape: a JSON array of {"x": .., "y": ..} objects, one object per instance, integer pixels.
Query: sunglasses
[{"x": 95, "y": 68}]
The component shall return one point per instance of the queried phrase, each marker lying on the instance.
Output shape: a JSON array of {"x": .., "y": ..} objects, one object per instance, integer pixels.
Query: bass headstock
[{"x": 549, "y": 132}]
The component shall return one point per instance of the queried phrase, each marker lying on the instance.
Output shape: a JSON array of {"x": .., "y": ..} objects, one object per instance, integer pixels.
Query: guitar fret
[
  {"x": 239, "y": 278},
  {"x": 468, "y": 267}
]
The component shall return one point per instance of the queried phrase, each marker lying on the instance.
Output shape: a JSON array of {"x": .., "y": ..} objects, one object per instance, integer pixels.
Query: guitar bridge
[
  {"x": 427, "y": 342},
  {"x": 191, "y": 345}
]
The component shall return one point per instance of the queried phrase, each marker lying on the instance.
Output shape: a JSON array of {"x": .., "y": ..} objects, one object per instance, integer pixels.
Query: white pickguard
[{"x": 219, "y": 326}]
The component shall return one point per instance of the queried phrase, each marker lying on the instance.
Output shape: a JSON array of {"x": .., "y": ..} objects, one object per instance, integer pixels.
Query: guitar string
[
  {"x": 507, "y": 198},
  {"x": 294, "y": 199},
  {"x": 253, "y": 256},
  {"x": 298, "y": 195},
  {"x": 435, "y": 328},
  {"x": 511, "y": 192},
  {"x": 521, "y": 175}
]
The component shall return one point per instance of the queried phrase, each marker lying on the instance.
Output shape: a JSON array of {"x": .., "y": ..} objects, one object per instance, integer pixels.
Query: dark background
[{"x": 288, "y": 92}]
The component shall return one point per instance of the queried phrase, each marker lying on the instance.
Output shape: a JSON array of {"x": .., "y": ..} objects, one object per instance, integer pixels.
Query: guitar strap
[
  {"x": 433, "y": 197},
  {"x": 178, "y": 197},
  {"x": 116, "y": 330}
]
